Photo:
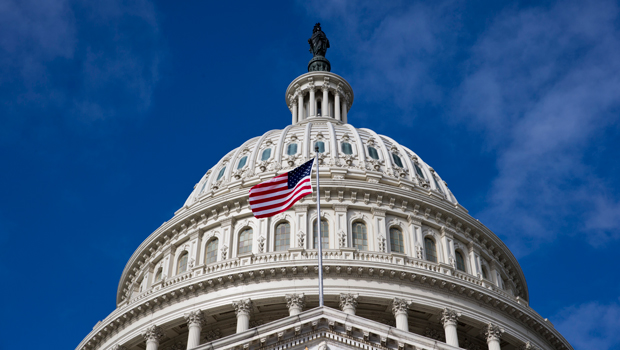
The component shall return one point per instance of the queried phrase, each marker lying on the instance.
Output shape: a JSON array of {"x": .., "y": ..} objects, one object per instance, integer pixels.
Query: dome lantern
[{"x": 319, "y": 93}]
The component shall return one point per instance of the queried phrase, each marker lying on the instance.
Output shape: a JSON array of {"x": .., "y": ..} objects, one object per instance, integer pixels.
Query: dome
[{"x": 405, "y": 266}]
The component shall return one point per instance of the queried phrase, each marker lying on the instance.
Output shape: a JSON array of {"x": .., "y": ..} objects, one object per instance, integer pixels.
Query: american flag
[{"x": 281, "y": 192}]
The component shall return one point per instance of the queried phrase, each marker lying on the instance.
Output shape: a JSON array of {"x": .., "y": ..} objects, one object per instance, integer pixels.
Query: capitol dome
[{"x": 404, "y": 264}]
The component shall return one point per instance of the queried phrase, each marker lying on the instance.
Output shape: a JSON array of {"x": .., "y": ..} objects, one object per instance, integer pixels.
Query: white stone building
[{"x": 405, "y": 266}]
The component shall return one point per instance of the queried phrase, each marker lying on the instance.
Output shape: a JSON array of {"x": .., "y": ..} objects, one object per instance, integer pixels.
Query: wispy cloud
[
  {"x": 591, "y": 325},
  {"x": 537, "y": 84},
  {"x": 76, "y": 60}
]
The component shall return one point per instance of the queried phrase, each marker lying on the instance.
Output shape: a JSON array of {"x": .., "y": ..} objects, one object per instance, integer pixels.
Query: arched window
[
  {"x": 372, "y": 152},
  {"x": 418, "y": 170},
  {"x": 245, "y": 241},
  {"x": 485, "y": 274},
  {"x": 159, "y": 274},
  {"x": 266, "y": 154},
  {"x": 242, "y": 162},
  {"x": 320, "y": 145},
  {"x": 346, "y": 148},
  {"x": 324, "y": 235},
  {"x": 182, "y": 267},
  {"x": 291, "y": 149},
  {"x": 360, "y": 236},
  {"x": 437, "y": 184},
  {"x": 460, "y": 262},
  {"x": 219, "y": 176},
  {"x": 283, "y": 236},
  {"x": 397, "y": 243},
  {"x": 397, "y": 160},
  {"x": 211, "y": 256},
  {"x": 430, "y": 249}
]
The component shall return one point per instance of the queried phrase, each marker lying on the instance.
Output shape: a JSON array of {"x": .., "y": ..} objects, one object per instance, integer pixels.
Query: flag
[{"x": 281, "y": 192}]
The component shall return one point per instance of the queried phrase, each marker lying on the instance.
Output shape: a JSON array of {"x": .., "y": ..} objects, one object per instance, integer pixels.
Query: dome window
[
  {"x": 182, "y": 267},
  {"x": 485, "y": 275},
  {"x": 418, "y": 170},
  {"x": 397, "y": 243},
  {"x": 245, "y": 241},
  {"x": 211, "y": 251},
  {"x": 291, "y": 150},
  {"x": 372, "y": 152},
  {"x": 242, "y": 162},
  {"x": 219, "y": 176},
  {"x": 430, "y": 249},
  {"x": 360, "y": 236},
  {"x": 460, "y": 262},
  {"x": 266, "y": 154},
  {"x": 346, "y": 148},
  {"x": 159, "y": 274},
  {"x": 324, "y": 235},
  {"x": 283, "y": 236},
  {"x": 320, "y": 145},
  {"x": 397, "y": 160},
  {"x": 437, "y": 184},
  {"x": 319, "y": 105}
]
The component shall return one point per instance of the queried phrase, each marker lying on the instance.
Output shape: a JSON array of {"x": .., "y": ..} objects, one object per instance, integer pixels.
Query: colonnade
[
  {"x": 297, "y": 104},
  {"x": 296, "y": 303}
]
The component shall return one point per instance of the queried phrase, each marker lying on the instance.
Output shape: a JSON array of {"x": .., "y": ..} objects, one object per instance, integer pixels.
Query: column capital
[
  {"x": 400, "y": 306},
  {"x": 242, "y": 307},
  {"x": 449, "y": 317},
  {"x": 348, "y": 300},
  {"x": 528, "y": 346},
  {"x": 493, "y": 332},
  {"x": 153, "y": 333},
  {"x": 295, "y": 300},
  {"x": 194, "y": 318}
]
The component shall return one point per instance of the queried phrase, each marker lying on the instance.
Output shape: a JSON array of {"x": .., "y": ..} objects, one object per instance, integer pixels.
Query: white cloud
[{"x": 591, "y": 326}]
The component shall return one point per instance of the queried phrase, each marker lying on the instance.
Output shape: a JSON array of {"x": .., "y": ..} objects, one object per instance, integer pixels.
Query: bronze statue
[{"x": 318, "y": 42}]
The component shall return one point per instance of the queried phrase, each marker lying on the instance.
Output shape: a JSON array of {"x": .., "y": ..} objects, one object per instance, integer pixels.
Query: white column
[
  {"x": 312, "y": 102},
  {"x": 400, "y": 309},
  {"x": 337, "y": 105},
  {"x": 348, "y": 303},
  {"x": 194, "y": 321},
  {"x": 345, "y": 109},
  {"x": 300, "y": 106},
  {"x": 243, "y": 308},
  {"x": 152, "y": 335},
  {"x": 324, "y": 102},
  {"x": 295, "y": 303},
  {"x": 294, "y": 108},
  {"x": 450, "y": 318},
  {"x": 493, "y": 335}
]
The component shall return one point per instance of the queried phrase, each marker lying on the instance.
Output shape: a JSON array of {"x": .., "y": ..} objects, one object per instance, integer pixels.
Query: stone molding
[
  {"x": 528, "y": 346},
  {"x": 194, "y": 318},
  {"x": 119, "y": 347},
  {"x": 243, "y": 306},
  {"x": 450, "y": 317},
  {"x": 153, "y": 333}
]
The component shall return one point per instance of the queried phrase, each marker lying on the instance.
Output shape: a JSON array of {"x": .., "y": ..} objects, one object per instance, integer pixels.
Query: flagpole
[{"x": 318, "y": 223}]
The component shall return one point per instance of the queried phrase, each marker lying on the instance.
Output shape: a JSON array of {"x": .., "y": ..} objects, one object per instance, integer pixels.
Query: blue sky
[{"x": 111, "y": 111}]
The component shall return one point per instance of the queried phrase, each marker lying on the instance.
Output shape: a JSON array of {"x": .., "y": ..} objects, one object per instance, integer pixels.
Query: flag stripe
[{"x": 278, "y": 194}]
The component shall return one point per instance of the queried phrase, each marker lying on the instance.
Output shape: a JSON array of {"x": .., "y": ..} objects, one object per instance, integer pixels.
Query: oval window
[
  {"x": 219, "y": 176},
  {"x": 292, "y": 149},
  {"x": 320, "y": 145},
  {"x": 266, "y": 154},
  {"x": 346, "y": 148},
  {"x": 372, "y": 152},
  {"x": 397, "y": 160},
  {"x": 242, "y": 162}
]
